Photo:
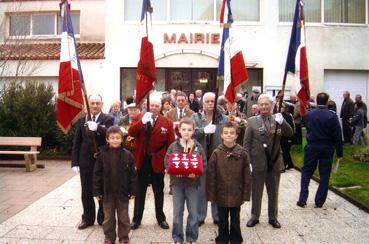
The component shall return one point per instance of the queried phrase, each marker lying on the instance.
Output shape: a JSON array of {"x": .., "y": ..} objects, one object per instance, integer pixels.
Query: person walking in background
[
  {"x": 114, "y": 183},
  {"x": 263, "y": 147},
  {"x": 297, "y": 137},
  {"x": 185, "y": 188},
  {"x": 194, "y": 104},
  {"x": 286, "y": 141},
  {"x": 358, "y": 122},
  {"x": 83, "y": 160},
  {"x": 323, "y": 138},
  {"x": 229, "y": 184},
  {"x": 198, "y": 97}
]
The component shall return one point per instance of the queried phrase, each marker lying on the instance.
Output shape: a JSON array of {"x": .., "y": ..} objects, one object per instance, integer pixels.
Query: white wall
[{"x": 265, "y": 45}]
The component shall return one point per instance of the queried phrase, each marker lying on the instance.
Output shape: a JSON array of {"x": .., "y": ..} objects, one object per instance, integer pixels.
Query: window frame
[
  {"x": 31, "y": 35},
  {"x": 168, "y": 20}
]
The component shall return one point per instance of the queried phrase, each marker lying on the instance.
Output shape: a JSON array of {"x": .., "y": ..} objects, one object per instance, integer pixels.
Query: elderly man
[
  {"x": 251, "y": 100},
  {"x": 198, "y": 97},
  {"x": 153, "y": 135},
  {"x": 83, "y": 160},
  {"x": 263, "y": 147},
  {"x": 180, "y": 111},
  {"x": 347, "y": 111},
  {"x": 132, "y": 116},
  {"x": 207, "y": 132}
]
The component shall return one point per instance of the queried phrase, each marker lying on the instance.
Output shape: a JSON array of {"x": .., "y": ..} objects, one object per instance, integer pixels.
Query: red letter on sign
[
  {"x": 171, "y": 40},
  {"x": 215, "y": 38}
]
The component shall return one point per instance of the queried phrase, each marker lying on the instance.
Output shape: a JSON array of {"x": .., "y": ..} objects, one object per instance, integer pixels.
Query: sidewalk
[{"x": 53, "y": 219}]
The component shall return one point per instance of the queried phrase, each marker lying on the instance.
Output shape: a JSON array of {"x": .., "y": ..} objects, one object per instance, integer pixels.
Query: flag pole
[{"x": 90, "y": 133}]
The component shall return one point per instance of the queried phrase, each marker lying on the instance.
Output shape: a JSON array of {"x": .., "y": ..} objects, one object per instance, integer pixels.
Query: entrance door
[{"x": 189, "y": 80}]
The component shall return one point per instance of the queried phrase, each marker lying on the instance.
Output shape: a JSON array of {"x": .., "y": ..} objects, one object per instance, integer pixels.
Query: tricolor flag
[
  {"x": 70, "y": 99},
  {"x": 297, "y": 58},
  {"x": 232, "y": 68},
  {"x": 146, "y": 70}
]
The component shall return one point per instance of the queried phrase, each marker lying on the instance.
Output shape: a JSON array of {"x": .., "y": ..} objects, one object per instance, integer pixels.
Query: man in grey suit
[{"x": 265, "y": 159}]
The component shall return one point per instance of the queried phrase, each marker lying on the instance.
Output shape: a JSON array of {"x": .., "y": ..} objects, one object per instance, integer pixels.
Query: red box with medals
[{"x": 185, "y": 164}]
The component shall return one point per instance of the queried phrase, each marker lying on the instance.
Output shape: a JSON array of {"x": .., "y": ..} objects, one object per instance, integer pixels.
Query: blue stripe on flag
[{"x": 294, "y": 41}]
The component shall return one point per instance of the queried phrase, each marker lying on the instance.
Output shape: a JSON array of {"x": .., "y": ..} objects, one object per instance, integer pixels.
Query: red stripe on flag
[
  {"x": 238, "y": 76},
  {"x": 304, "y": 93},
  {"x": 221, "y": 18}
]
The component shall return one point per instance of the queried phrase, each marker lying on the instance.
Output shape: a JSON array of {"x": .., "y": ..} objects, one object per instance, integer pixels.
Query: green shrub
[{"x": 28, "y": 109}]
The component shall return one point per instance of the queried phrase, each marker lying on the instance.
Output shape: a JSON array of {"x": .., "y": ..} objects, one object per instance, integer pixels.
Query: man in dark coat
[
  {"x": 347, "y": 111},
  {"x": 83, "y": 160}
]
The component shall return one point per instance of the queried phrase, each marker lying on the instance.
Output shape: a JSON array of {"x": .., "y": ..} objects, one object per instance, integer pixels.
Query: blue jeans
[
  {"x": 203, "y": 202},
  {"x": 180, "y": 196}
]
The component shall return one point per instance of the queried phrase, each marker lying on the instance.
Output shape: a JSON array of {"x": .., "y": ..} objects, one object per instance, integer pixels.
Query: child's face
[
  {"x": 186, "y": 131},
  {"x": 115, "y": 140},
  {"x": 229, "y": 135}
]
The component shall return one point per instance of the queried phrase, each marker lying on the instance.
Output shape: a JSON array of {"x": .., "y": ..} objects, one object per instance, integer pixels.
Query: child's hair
[
  {"x": 187, "y": 121},
  {"x": 230, "y": 125},
  {"x": 113, "y": 130}
]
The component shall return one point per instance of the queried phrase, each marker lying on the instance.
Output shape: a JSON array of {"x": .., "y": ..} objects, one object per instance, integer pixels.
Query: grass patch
[{"x": 351, "y": 172}]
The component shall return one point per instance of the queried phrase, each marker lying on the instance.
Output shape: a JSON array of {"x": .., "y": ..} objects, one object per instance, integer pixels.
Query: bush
[
  {"x": 362, "y": 155},
  {"x": 28, "y": 109}
]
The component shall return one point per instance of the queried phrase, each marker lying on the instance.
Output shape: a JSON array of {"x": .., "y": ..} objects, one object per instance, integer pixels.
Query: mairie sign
[{"x": 191, "y": 38}]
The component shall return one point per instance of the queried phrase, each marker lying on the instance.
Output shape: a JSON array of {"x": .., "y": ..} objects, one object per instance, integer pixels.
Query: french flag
[
  {"x": 232, "y": 68},
  {"x": 297, "y": 58},
  {"x": 70, "y": 101}
]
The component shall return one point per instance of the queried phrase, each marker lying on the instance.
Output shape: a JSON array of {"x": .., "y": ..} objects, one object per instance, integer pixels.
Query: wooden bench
[{"x": 30, "y": 156}]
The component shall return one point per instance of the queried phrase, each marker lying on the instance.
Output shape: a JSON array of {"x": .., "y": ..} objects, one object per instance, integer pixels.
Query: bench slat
[
  {"x": 19, "y": 152},
  {"x": 20, "y": 141}
]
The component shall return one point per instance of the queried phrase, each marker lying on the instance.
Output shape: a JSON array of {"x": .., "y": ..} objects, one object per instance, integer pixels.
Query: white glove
[
  {"x": 124, "y": 131},
  {"x": 279, "y": 118},
  {"x": 147, "y": 117},
  {"x": 209, "y": 129},
  {"x": 75, "y": 169},
  {"x": 92, "y": 126},
  {"x": 237, "y": 119}
]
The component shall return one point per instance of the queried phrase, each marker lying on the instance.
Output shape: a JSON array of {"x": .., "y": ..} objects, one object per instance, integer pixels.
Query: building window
[
  {"x": 243, "y": 10},
  {"x": 344, "y": 11},
  {"x": 312, "y": 10},
  {"x": 36, "y": 24},
  {"x": 133, "y": 8},
  {"x": 189, "y": 10}
]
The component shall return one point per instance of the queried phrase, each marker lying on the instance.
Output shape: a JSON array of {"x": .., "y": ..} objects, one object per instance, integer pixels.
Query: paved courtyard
[{"x": 53, "y": 219}]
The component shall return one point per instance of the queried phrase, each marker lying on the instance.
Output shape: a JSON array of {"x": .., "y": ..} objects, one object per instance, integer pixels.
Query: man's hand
[
  {"x": 147, "y": 117},
  {"x": 98, "y": 197},
  {"x": 75, "y": 169},
  {"x": 279, "y": 118},
  {"x": 209, "y": 129},
  {"x": 92, "y": 126},
  {"x": 132, "y": 197},
  {"x": 337, "y": 165}
]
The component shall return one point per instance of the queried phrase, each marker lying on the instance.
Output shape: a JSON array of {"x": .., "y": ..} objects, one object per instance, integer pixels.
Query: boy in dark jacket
[
  {"x": 229, "y": 184},
  {"x": 115, "y": 182}
]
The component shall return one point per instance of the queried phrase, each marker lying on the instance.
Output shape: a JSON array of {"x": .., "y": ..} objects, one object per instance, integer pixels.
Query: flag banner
[
  {"x": 146, "y": 7},
  {"x": 146, "y": 70},
  {"x": 70, "y": 101},
  {"x": 232, "y": 67},
  {"x": 297, "y": 58}
]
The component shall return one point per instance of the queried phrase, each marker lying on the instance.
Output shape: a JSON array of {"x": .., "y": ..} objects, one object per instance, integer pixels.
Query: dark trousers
[
  {"x": 115, "y": 205},
  {"x": 314, "y": 154},
  {"x": 226, "y": 234},
  {"x": 146, "y": 176},
  {"x": 88, "y": 203},
  {"x": 297, "y": 137},
  {"x": 286, "y": 147},
  {"x": 347, "y": 131}
]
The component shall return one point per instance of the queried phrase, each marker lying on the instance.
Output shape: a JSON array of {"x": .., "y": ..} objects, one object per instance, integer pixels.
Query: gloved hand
[
  {"x": 209, "y": 129},
  {"x": 92, "y": 126},
  {"x": 237, "y": 119},
  {"x": 279, "y": 118},
  {"x": 75, "y": 169},
  {"x": 147, "y": 117},
  {"x": 124, "y": 131}
]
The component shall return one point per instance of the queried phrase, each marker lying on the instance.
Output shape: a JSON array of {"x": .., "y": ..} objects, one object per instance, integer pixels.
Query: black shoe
[
  {"x": 275, "y": 223},
  {"x": 318, "y": 205},
  {"x": 100, "y": 216},
  {"x": 164, "y": 225},
  {"x": 201, "y": 223},
  {"x": 216, "y": 222},
  {"x": 135, "y": 225},
  {"x": 84, "y": 225},
  {"x": 301, "y": 204},
  {"x": 252, "y": 222}
]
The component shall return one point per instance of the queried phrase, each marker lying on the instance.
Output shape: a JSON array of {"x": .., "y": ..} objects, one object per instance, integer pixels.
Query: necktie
[
  {"x": 93, "y": 118},
  {"x": 180, "y": 113}
]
